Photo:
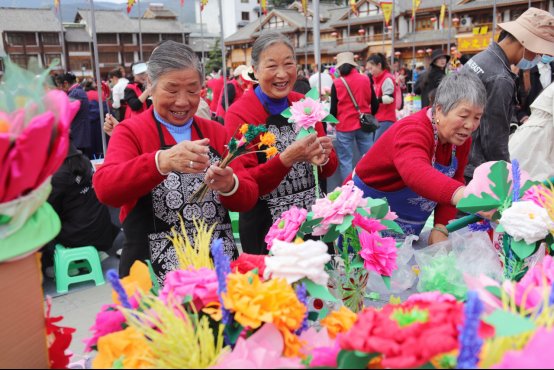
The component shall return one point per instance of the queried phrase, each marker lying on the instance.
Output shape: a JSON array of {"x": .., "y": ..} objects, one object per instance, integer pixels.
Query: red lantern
[
  {"x": 335, "y": 59},
  {"x": 455, "y": 20},
  {"x": 421, "y": 51},
  {"x": 453, "y": 48},
  {"x": 334, "y": 34},
  {"x": 389, "y": 27},
  {"x": 397, "y": 53},
  {"x": 356, "y": 56},
  {"x": 434, "y": 19},
  {"x": 429, "y": 51},
  {"x": 361, "y": 31}
]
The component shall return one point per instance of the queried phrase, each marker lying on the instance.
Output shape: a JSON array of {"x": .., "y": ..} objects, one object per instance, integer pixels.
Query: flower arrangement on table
[
  {"x": 305, "y": 114},
  {"x": 523, "y": 212},
  {"x": 255, "y": 139},
  {"x": 345, "y": 214}
]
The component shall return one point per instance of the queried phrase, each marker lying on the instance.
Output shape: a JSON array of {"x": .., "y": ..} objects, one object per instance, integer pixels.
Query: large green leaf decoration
[
  {"x": 392, "y": 226},
  {"x": 354, "y": 359},
  {"x": 331, "y": 119},
  {"x": 318, "y": 291},
  {"x": 522, "y": 249},
  {"x": 379, "y": 208},
  {"x": 474, "y": 204},
  {"x": 332, "y": 235},
  {"x": 287, "y": 113},
  {"x": 499, "y": 176},
  {"x": 305, "y": 132},
  {"x": 313, "y": 94},
  {"x": 507, "y": 324},
  {"x": 362, "y": 212}
]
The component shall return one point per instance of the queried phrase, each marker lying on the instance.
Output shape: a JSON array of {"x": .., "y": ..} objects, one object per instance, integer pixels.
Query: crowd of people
[{"x": 169, "y": 124}]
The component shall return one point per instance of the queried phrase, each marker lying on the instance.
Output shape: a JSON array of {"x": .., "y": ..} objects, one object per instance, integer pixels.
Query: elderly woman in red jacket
[
  {"x": 418, "y": 164},
  {"x": 157, "y": 160},
  {"x": 286, "y": 180}
]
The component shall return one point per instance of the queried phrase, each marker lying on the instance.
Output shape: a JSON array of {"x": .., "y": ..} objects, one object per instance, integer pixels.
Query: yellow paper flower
[
  {"x": 271, "y": 152},
  {"x": 127, "y": 345},
  {"x": 138, "y": 281},
  {"x": 255, "y": 302},
  {"x": 338, "y": 322},
  {"x": 267, "y": 139},
  {"x": 244, "y": 128}
]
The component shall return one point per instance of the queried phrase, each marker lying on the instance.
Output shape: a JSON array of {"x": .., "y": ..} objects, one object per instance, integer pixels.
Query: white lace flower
[
  {"x": 294, "y": 262},
  {"x": 526, "y": 221}
]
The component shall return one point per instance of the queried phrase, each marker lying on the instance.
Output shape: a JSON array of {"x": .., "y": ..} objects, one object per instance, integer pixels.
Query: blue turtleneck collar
[
  {"x": 273, "y": 106},
  {"x": 179, "y": 133}
]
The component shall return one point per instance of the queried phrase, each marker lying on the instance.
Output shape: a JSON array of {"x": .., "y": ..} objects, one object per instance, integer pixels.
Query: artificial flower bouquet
[
  {"x": 523, "y": 213},
  {"x": 254, "y": 139},
  {"x": 34, "y": 138}
]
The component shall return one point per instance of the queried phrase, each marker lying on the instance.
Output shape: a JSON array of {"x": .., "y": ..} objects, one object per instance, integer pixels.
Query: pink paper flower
[
  {"x": 286, "y": 228},
  {"x": 332, "y": 209},
  {"x": 536, "y": 354},
  {"x": 108, "y": 320},
  {"x": 537, "y": 195},
  {"x": 379, "y": 253},
  {"x": 323, "y": 350},
  {"x": 262, "y": 350},
  {"x": 306, "y": 113},
  {"x": 199, "y": 284},
  {"x": 533, "y": 282},
  {"x": 370, "y": 225},
  {"x": 391, "y": 216},
  {"x": 482, "y": 184},
  {"x": 430, "y": 297}
]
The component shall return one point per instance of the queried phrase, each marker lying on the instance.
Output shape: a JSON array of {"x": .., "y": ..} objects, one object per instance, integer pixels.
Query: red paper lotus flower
[{"x": 248, "y": 262}]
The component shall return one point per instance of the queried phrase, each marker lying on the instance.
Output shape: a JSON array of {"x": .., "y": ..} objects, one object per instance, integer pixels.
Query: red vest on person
[
  {"x": 386, "y": 112},
  {"x": 216, "y": 85},
  {"x": 129, "y": 112},
  {"x": 238, "y": 93},
  {"x": 347, "y": 115}
]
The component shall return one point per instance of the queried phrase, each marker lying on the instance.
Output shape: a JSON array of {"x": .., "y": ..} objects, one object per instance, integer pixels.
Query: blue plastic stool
[{"x": 66, "y": 259}]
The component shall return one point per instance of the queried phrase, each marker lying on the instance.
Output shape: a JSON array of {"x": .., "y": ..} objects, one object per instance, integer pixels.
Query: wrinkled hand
[
  {"x": 302, "y": 151},
  {"x": 109, "y": 124},
  {"x": 437, "y": 237},
  {"x": 220, "y": 179},
  {"x": 327, "y": 147},
  {"x": 186, "y": 157}
]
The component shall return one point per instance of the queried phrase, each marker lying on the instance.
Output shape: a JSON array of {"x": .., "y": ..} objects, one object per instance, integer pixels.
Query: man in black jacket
[{"x": 521, "y": 43}]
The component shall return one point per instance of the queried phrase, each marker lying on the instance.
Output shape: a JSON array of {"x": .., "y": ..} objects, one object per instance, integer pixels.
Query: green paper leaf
[
  {"x": 313, "y": 316},
  {"x": 303, "y": 133},
  {"x": 4, "y": 219},
  {"x": 357, "y": 263},
  {"x": 392, "y": 226},
  {"x": 473, "y": 204},
  {"x": 155, "y": 284},
  {"x": 118, "y": 363},
  {"x": 233, "y": 332},
  {"x": 427, "y": 366},
  {"x": 187, "y": 299},
  {"x": 379, "y": 208},
  {"x": 332, "y": 235},
  {"x": 362, "y": 212},
  {"x": 522, "y": 249},
  {"x": 495, "y": 291},
  {"x": 386, "y": 280},
  {"x": 287, "y": 113},
  {"x": 323, "y": 313},
  {"x": 499, "y": 175},
  {"x": 507, "y": 324},
  {"x": 318, "y": 291},
  {"x": 310, "y": 224},
  {"x": 331, "y": 119},
  {"x": 500, "y": 229},
  {"x": 345, "y": 224},
  {"x": 528, "y": 185},
  {"x": 354, "y": 359},
  {"x": 313, "y": 94}
]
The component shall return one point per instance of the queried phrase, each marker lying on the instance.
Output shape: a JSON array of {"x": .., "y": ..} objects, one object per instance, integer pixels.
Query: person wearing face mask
[
  {"x": 418, "y": 164},
  {"x": 136, "y": 94},
  {"x": 522, "y": 42},
  {"x": 535, "y": 81}
]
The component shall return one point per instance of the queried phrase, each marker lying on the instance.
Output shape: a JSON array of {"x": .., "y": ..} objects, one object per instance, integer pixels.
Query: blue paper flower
[
  {"x": 470, "y": 342},
  {"x": 113, "y": 278},
  {"x": 516, "y": 174},
  {"x": 222, "y": 269},
  {"x": 484, "y": 225},
  {"x": 302, "y": 295}
]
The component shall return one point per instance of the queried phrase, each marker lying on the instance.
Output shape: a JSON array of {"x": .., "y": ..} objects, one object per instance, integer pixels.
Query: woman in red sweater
[
  {"x": 418, "y": 164},
  {"x": 157, "y": 160},
  {"x": 286, "y": 180}
]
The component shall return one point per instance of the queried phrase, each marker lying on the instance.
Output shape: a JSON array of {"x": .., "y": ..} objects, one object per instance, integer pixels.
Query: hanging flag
[
  {"x": 203, "y": 4},
  {"x": 415, "y": 7},
  {"x": 182, "y": 3},
  {"x": 263, "y": 5},
  {"x": 354, "y": 7},
  {"x": 305, "y": 7},
  {"x": 130, "y": 4},
  {"x": 57, "y": 5},
  {"x": 386, "y": 7},
  {"x": 443, "y": 13}
]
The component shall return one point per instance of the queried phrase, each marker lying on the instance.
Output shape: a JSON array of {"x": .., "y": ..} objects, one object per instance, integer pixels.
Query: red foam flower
[
  {"x": 58, "y": 338},
  {"x": 248, "y": 262}
]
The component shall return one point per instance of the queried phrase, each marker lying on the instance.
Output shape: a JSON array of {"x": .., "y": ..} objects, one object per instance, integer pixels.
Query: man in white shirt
[
  {"x": 119, "y": 84},
  {"x": 326, "y": 80}
]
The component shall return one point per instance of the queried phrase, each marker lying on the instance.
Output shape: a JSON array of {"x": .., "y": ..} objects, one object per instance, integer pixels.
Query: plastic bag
[{"x": 443, "y": 265}]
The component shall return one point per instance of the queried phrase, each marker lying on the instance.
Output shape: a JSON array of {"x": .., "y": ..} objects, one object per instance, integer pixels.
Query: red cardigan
[
  {"x": 269, "y": 175},
  {"x": 129, "y": 171},
  {"x": 402, "y": 158}
]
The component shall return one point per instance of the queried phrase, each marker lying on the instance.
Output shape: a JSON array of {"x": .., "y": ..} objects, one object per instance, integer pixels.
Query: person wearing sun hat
[
  {"x": 522, "y": 42},
  {"x": 431, "y": 79},
  {"x": 136, "y": 94}
]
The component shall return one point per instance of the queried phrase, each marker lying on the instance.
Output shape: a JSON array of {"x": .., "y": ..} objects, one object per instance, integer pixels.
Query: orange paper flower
[
  {"x": 127, "y": 346},
  {"x": 339, "y": 322},
  {"x": 255, "y": 302},
  {"x": 244, "y": 128},
  {"x": 138, "y": 280},
  {"x": 293, "y": 344},
  {"x": 267, "y": 139},
  {"x": 271, "y": 152}
]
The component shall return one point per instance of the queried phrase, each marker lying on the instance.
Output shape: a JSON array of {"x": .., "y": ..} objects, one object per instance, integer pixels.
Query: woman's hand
[
  {"x": 109, "y": 124},
  {"x": 302, "y": 150},
  {"x": 438, "y": 234},
  {"x": 186, "y": 157},
  {"x": 327, "y": 147},
  {"x": 220, "y": 179}
]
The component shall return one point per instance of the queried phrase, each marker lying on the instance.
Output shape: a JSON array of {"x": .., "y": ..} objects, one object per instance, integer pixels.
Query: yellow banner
[
  {"x": 263, "y": 5},
  {"x": 443, "y": 13},
  {"x": 305, "y": 7},
  {"x": 386, "y": 7},
  {"x": 415, "y": 7},
  {"x": 474, "y": 43},
  {"x": 354, "y": 7},
  {"x": 130, "y": 4},
  {"x": 203, "y": 4}
]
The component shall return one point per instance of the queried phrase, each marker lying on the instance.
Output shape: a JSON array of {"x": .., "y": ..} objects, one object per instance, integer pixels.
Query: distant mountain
[{"x": 69, "y": 7}]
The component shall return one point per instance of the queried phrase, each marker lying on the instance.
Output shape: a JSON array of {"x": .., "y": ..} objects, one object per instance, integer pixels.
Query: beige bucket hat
[
  {"x": 346, "y": 58},
  {"x": 534, "y": 29}
]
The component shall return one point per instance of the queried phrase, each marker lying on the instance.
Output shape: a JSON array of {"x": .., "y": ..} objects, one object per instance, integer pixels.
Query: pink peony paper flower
[
  {"x": 482, "y": 184},
  {"x": 537, "y": 195},
  {"x": 262, "y": 350},
  {"x": 200, "y": 284},
  {"x": 379, "y": 253},
  {"x": 535, "y": 355},
  {"x": 306, "y": 113},
  {"x": 534, "y": 282},
  {"x": 332, "y": 209},
  {"x": 323, "y": 350},
  {"x": 370, "y": 225},
  {"x": 108, "y": 320},
  {"x": 430, "y": 297},
  {"x": 286, "y": 228}
]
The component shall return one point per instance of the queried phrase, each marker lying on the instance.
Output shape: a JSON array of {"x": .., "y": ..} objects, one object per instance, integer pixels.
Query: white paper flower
[
  {"x": 526, "y": 221},
  {"x": 294, "y": 262}
]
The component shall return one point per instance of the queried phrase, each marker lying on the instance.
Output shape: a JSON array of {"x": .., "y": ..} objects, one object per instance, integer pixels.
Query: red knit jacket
[
  {"x": 129, "y": 171},
  {"x": 269, "y": 175},
  {"x": 402, "y": 158}
]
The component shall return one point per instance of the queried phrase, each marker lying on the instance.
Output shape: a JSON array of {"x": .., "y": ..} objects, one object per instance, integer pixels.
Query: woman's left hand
[
  {"x": 326, "y": 147},
  {"x": 437, "y": 236},
  {"x": 220, "y": 179}
]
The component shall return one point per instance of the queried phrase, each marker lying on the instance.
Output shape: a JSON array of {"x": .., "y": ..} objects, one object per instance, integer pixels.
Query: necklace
[{"x": 436, "y": 137}]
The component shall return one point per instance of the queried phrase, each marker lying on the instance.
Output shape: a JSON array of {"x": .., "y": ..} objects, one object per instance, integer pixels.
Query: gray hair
[
  {"x": 458, "y": 87},
  {"x": 172, "y": 56},
  {"x": 265, "y": 41}
]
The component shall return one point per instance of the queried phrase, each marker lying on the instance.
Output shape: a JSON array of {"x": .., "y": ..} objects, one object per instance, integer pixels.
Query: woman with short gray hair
[
  {"x": 158, "y": 159},
  {"x": 418, "y": 164},
  {"x": 286, "y": 180}
]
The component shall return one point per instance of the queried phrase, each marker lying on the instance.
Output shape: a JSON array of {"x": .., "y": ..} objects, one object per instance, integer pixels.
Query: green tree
[{"x": 215, "y": 59}]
